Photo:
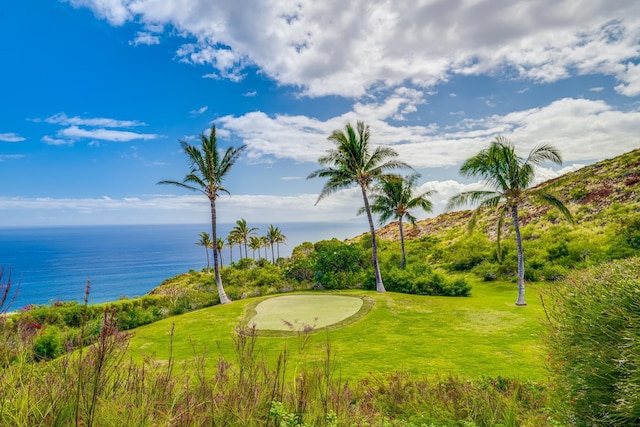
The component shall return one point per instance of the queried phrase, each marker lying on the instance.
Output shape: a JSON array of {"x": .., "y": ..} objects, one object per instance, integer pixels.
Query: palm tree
[
  {"x": 394, "y": 197},
  {"x": 220, "y": 242},
  {"x": 231, "y": 242},
  {"x": 207, "y": 169},
  {"x": 243, "y": 232},
  {"x": 280, "y": 238},
  {"x": 509, "y": 175},
  {"x": 255, "y": 243},
  {"x": 205, "y": 240},
  {"x": 353, "y": 162},
  {"x": 275, "y": 236},
  {"x": 265, "y": 245}
]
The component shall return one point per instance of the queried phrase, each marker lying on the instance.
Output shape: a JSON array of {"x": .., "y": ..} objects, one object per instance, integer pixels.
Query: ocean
[{"x": 54, "y": 263}]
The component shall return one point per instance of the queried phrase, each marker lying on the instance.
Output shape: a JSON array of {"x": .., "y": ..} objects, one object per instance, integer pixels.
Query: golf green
[{"x": 297, "y": 312}]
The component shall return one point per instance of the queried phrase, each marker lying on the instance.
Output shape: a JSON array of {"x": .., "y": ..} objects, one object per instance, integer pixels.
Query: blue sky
[{"x": 97, "y": 93}]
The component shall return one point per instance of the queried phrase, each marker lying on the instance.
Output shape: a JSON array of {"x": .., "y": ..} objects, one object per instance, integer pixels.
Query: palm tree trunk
[
  {"x": 278, "y": 246},
  {"x": 374, "y": 246},
  {"x": 224, "y": 299},
  {"x": 404, "y": 259},
  {"x": 231, "y": 254},
  {"x": 516, "y": 226},
  {"x": 208, "y": 264},
  {"x": 273, "y": 258}
]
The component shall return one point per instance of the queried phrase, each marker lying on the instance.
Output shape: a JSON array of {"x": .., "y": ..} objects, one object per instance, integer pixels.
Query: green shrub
[
  {"x": 338, "y": 265},
  {"x": 594, "y": 321},
  {"x": 48, "y": 344},
  {"x": 422, "y": 282}
]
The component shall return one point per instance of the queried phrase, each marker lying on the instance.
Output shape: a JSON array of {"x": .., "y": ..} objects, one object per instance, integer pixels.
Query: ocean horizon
[{"x": 49, "y": 264}]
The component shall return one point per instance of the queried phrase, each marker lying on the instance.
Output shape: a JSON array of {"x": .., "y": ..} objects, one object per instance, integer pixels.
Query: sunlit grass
[{"x": 484, "y": 335}]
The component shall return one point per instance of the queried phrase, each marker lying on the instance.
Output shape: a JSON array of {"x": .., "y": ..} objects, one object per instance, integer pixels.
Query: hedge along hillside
[{"x": 594, "y": 342}]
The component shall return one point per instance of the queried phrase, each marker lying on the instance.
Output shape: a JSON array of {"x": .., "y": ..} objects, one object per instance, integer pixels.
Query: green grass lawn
[{"x": 484, "y": 335}]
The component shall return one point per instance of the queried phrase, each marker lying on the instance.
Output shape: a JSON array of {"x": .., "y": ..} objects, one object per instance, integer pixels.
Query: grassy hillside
[
  {"x": 592, "y": 193},
  {"x": 604, "y": 199}
]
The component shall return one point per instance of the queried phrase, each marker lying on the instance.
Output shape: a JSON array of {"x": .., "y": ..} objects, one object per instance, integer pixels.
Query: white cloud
[
  {"x": 63, "y": 119},
  {"x": 189, "y": 208},
  {"x": 581, "y": 129},
  {"x": 115, "y": 11},
  {"x": 631, "y": 80},
  {"x": 146, "y": 38},
  {"x": 74, "y": 132},
  {"x": 199, "y": 111},
  {"x": 56, "y": 141},
  {"x": 330, "y": 47},
  {"x": 11, "y": 137},
  {"x": 544, "y": 174}
]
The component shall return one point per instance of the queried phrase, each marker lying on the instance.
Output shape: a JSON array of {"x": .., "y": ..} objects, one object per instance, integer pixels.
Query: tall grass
[
  {"x": 100, "y": 386},
  {"x": 594, "y": 331}
]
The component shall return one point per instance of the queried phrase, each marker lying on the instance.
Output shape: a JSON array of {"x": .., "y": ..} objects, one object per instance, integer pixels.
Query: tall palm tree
[
  {"x": 509, "y": 175},
  {"x": 208, "y": 167},
  {"x": 394, "y": 198},
  {"x": 255, "y": 243},
  {"x": 243, "y": 232},
  {"x": 205, "y": 240},
  {"x": 352, "y": 161}
]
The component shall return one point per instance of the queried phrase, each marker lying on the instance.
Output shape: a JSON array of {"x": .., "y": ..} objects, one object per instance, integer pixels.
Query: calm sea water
[{"x": 52, "y": 264}]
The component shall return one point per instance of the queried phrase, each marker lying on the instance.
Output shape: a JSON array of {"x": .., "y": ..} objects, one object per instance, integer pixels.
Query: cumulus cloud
[
  {"x": 581, "y": 129},
  {"x": 630, "y": 79},
  {"x": 11, "y": 137},
  {"x": 330, "y": 47}
]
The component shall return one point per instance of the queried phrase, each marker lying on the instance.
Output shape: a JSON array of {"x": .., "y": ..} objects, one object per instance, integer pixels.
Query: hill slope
[
  {"x": 604, "y": 199},
  {"x": 588, "y": 192}
]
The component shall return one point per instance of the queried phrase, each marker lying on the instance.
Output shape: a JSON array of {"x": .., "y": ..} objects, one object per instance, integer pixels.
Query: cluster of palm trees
[
  {"x": 244, "y": 237},
  {"x": 353, "y": 161}
]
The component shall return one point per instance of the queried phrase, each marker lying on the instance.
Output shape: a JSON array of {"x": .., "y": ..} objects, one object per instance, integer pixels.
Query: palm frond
[
  {"x": 180, "y": 184},
  {"x": 544, "y": 152},
  {"x": 553, "y": 200},
  {"x": 467, "y": 198}
]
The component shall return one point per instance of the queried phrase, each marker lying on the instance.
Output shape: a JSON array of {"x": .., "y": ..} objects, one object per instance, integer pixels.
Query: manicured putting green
[{"x": 294, "y": 312}]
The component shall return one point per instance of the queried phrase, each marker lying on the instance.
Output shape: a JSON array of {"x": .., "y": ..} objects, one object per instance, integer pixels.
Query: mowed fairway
[
  {"x": 484, "y": 335},
  {"x": 295, "y": 312}
]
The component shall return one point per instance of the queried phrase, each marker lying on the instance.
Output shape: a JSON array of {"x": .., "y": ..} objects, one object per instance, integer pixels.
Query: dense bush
[
  {"x": 594, "y": 341},
  {"x": 338, "y": 265},
  {"x": 421, "y": 280}
]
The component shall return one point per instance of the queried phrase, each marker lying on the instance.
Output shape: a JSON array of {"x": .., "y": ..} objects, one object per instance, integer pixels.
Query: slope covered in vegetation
[{"x": 604, "y": 199}]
